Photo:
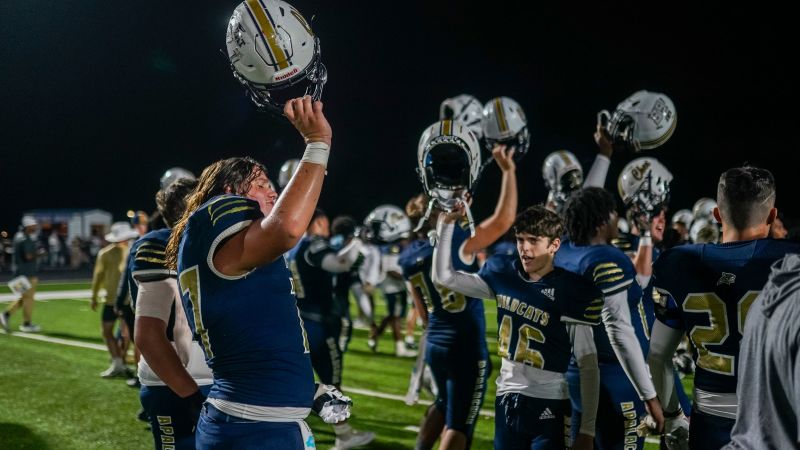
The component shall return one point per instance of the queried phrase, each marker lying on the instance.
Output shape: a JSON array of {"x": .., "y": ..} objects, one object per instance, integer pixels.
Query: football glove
[{"x": 330, "y": 404}]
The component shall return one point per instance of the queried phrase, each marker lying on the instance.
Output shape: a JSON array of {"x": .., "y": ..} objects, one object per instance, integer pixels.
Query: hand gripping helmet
[
  {"x": 683, "y": 216},
  {"x": 562, "y": 174},
  {"x": 174, "y": 174},
  {"x": 704, "y": 209},
  {"x": 466, "y": 109},
  {"x": 642, "y": 121},
  {"x": 386, "y": 224},
  {"x": 287, "y": 171},
  {"x": 271, "y": 47},
  {"x": 504, "y": 122},
  {"x": 448, "y": 164},
  {"x": 644, "y": 185}
]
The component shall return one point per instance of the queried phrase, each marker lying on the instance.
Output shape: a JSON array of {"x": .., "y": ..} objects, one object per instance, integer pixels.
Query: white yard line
[{"x": 78, "y": 294}]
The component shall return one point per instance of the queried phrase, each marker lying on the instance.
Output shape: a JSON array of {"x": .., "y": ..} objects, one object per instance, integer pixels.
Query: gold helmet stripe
[
  {"x": 501, "y": 115},
  {"x": 447, "y": 127},
  {"x": 260, "y": 13}
]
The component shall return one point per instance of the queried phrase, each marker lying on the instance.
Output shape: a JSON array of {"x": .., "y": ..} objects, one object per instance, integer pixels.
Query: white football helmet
[
  {"x": 504, "y": 122},
  {"x": 287, "y": 171},
  {"x": 174, "y": 174},
  {"x": 642, "y": 121},
  {"x": 644, "y": 185},
  {"x": 704, "y": 209},
  {"x": 271, "y": 47},
  {"x": 466, "y": 109},
  {"x": 623, "y": 226},
  {"x": 448, "y": 160},
  {"x": 683, "y": 216},
  {"x": 386, "y": 224},
  {"x": 562, "y": 174},
  {"x": 704, "y": 231}
]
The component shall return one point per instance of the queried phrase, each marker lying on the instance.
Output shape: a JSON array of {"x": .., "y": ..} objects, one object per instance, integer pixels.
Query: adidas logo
[
  {"x": 727, "y": 278},
  {"x": 549, "y": 293},
  {"x": 547, "y": 414}
]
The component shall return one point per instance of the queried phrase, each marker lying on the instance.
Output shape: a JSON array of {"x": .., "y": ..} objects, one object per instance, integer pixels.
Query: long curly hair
[{"x": 232, "y": 175}]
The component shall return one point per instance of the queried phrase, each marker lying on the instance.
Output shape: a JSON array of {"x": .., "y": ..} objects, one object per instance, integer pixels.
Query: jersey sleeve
[
  {"x": 664, "y": 285},
  {"x": 147, "y": 263},
  {"x": 581, "y": 302},
  {"x": 317, "y": 250},
  {"x": 613, "y": 272},
  {"x": 490, "y": 270},
  {"x": 227, "y": 216}
]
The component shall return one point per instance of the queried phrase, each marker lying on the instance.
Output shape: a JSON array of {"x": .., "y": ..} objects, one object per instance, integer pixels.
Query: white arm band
[
  {"x": 617, "y": 320},
  {"x": 663, "y": 343},
  {"x": 316, "y": 153},
  {"x": 643, "y": 280},
  {"x": 586, "y": 355},
  {"x": 344, "y": 259},
  {"x": 469, "y": 284},
  {"x": 155, "y": 299},
  {"x": 598, "y": 173}
]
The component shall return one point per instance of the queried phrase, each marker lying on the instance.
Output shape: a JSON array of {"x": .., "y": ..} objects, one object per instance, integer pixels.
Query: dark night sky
[{"x": 99, "y": 98}]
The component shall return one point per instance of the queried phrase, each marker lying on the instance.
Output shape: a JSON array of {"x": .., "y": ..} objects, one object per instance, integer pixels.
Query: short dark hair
[
  {"x": 171, "y": 202},
  {"x": 539, "y": 221},
  {"x": 587, "y": 209},
  {"x": 745, "y": 196},
  {"x": 343, "y": 225}
]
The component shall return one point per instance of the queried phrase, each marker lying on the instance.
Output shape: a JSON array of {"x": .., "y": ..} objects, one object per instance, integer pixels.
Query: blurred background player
[
  {"x": 455, "y": 347},
  {"x": 706, "y": 291},
  {"x": 544, "y": 315},
  {"x": 344, "y": 230},
  {"x": 108, "y": 270},
  {"x": 313, "y": 264},
  {"x": 25, "y": 261},
  {"x": 389, "y": 228},
  {"x": 174, "y": 376},
  {"x": 626, "y": 390}
]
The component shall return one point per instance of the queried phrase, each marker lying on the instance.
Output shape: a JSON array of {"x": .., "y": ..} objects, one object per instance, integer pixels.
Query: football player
[
  {"x": 236, "y": 291},
  {"x": 544, "y": 315},
  {"x": 313, "y": 264},
  {"x": 174, "y": 376},
  {"x": 626, "y": 390},
  {"x": 705, "y": 291},
  {"x": 344, "y": 230},
  {"x": 455, "y": 347},
  {"x": 389, "y": 228}
]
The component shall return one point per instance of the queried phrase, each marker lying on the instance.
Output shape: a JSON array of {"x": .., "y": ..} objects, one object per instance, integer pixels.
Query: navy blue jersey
[
  {"x": 146, "y": 263},
  {"x": 612, "y": 272},
  {"x": 452, "y": 317},
  {"x": 531, "y": 315},
  {"x": 312, "y": 284},
  {"x": 706, "y": 290},
  {"x": 249, "y": 325}
]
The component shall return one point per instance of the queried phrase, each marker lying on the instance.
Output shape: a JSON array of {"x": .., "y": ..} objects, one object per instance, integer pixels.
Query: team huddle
[{"x": 247, "y": 295}]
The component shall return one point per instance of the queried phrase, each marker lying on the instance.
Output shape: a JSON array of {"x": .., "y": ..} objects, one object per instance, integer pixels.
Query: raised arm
[
  {"x": 267, "y": 240},
  {"x": 496, "y": 225},
  {"x": 443, "y": 274},
  {"x": 596, "y": 177}
]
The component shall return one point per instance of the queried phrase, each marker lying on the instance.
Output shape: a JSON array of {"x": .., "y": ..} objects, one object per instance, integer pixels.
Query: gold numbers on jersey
[
  {"x": 718, "y": 329},
  {"x": 451, "y": 301},
  {"x": 418, "y": 282},
  {"x": 189, "y": 281},
  {"x": 523, "y": 353}
]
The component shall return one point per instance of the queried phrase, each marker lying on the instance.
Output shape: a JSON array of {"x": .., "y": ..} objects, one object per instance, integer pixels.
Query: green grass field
[{"x": 51, "y": 395}]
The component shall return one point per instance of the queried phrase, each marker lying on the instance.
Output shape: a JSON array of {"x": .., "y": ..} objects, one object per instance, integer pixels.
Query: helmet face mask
[
  {"x": 562, "y": 174},
  {"x": 273, "y": 51}
]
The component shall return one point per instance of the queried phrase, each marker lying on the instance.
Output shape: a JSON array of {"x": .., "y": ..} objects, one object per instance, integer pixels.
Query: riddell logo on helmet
[{"x": 286, "y": 75}]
